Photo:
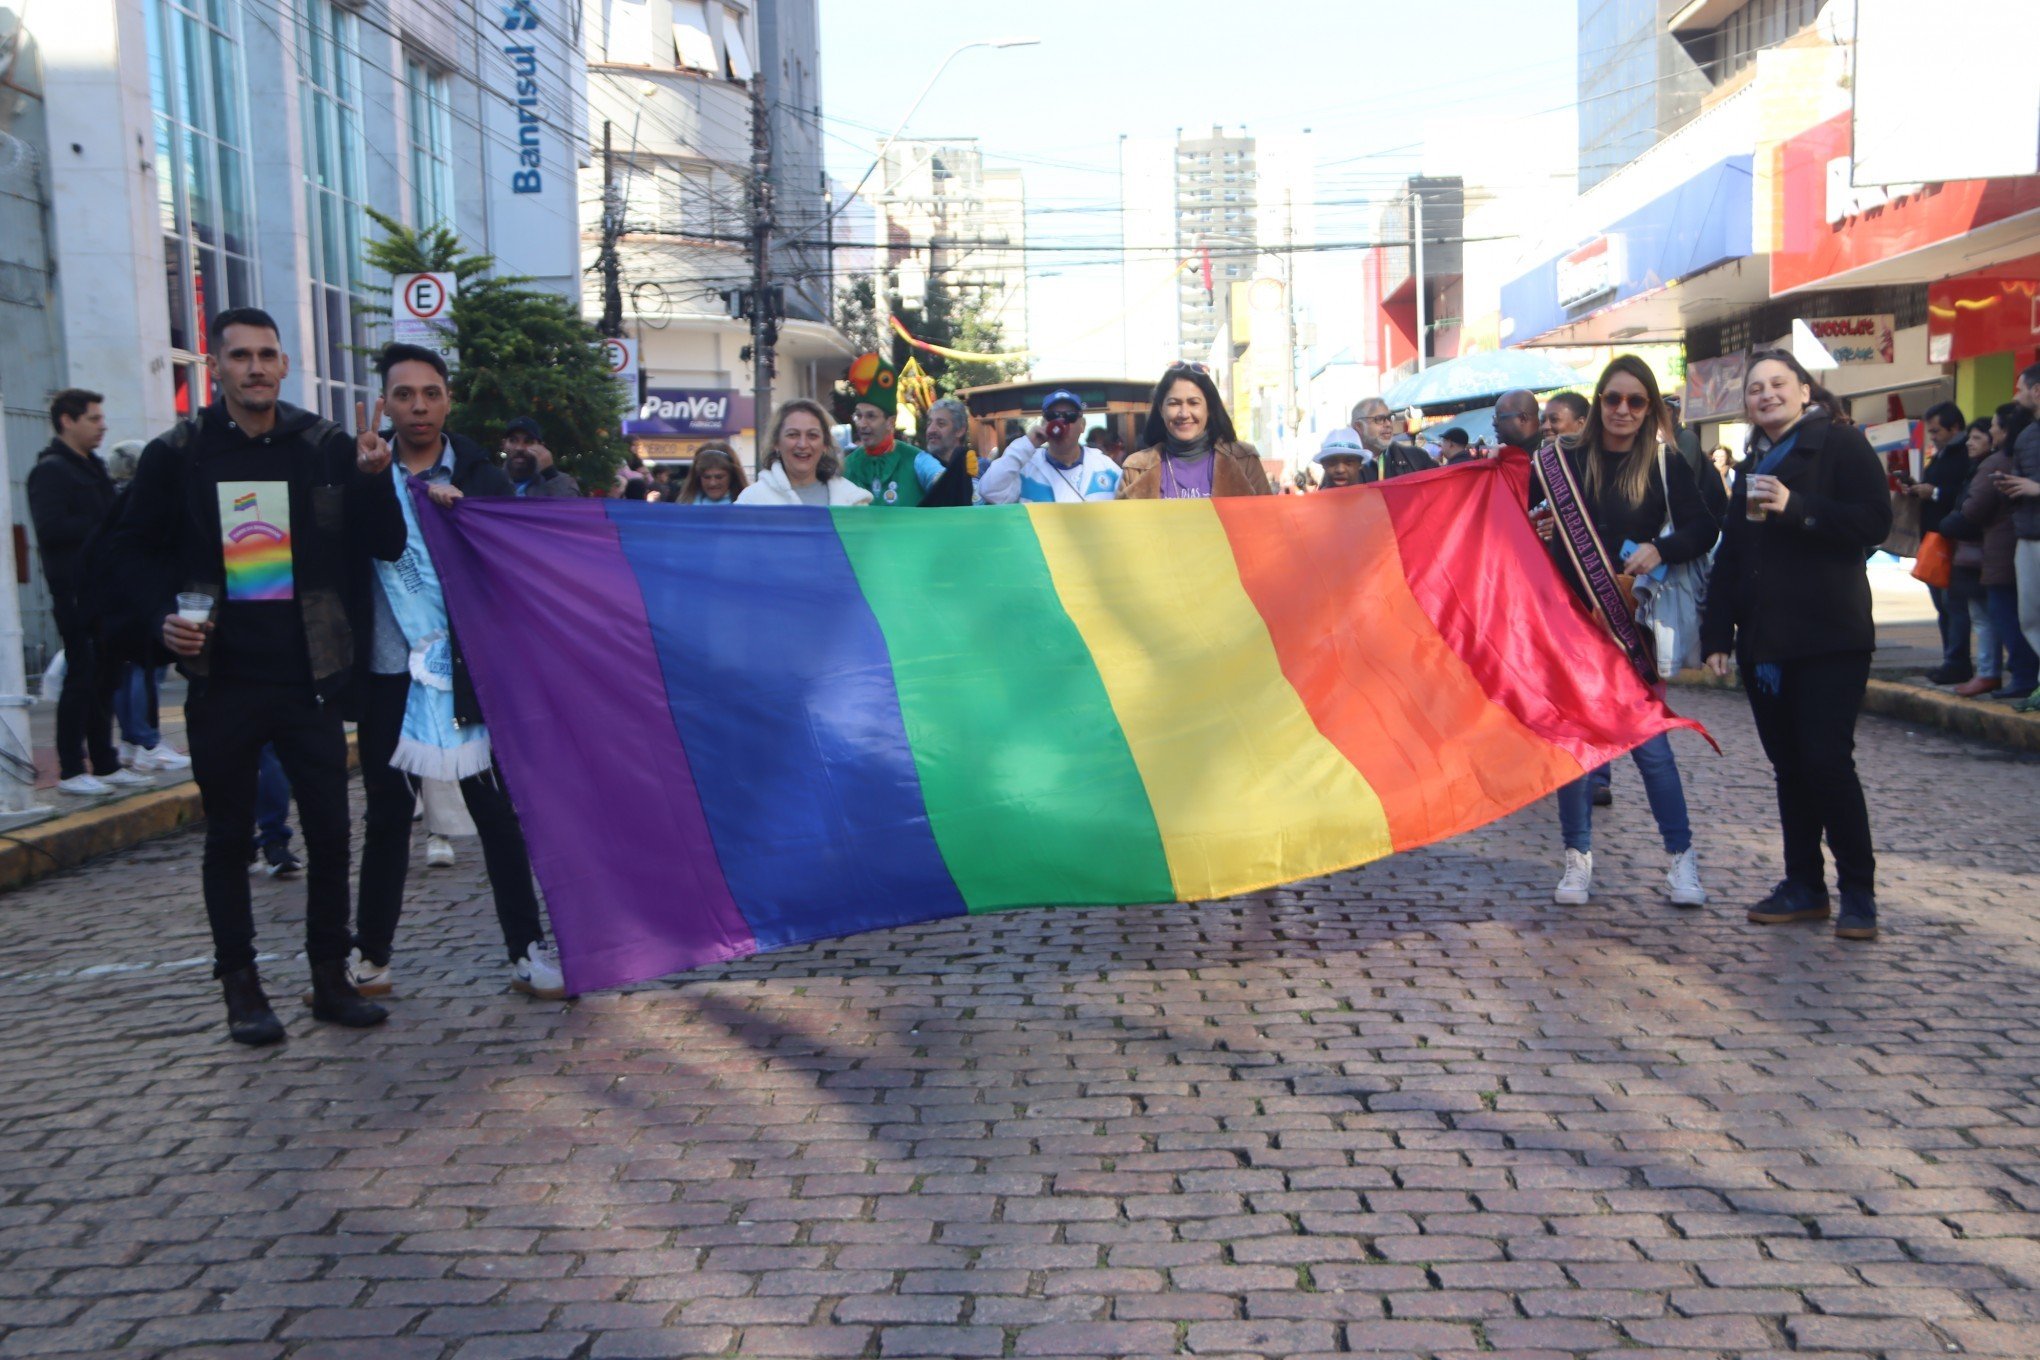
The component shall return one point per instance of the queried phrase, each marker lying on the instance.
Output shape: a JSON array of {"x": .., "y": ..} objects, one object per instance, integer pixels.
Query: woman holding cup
[{"x": 1790, "y": 601}]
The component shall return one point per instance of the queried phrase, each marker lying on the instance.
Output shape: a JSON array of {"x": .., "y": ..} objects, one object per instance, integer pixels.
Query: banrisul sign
[
  {"x": 533, "y": 103},
  {"x": 691, "y": 412}
]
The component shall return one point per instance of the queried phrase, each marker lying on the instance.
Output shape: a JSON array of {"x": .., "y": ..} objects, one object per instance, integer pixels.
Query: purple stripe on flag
[{"x": 554, "y": 631}]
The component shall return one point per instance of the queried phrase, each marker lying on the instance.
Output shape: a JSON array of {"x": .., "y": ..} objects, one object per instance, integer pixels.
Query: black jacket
[
  {"x": 340, "y": 519},
  {"x": 68, "y": 497},
  {"x": 1949, "y": 475},
  {"x": 1619, "y": 519},
  {"x": 1400, "y": 458},
  {"x": 1793, "y": 584}
]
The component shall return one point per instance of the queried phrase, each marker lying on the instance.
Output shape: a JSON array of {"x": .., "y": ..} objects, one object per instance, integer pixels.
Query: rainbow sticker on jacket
[{"x": 255, "y": 540}]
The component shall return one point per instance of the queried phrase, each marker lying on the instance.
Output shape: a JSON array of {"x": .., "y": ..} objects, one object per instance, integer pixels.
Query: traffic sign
[
  {"x": 620, "y": 357},
  {"x": 421, "y": 312}
]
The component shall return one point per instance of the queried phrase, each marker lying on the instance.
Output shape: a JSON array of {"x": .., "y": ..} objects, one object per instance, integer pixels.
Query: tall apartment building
[
  {"x": 1217, "y": 189},
  {"x": 940, "y": 210},
  {"x": 188, "y": 156}
]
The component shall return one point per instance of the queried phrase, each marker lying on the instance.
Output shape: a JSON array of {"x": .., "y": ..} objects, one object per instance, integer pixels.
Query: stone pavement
[{"x": 1412, "y": 1110}]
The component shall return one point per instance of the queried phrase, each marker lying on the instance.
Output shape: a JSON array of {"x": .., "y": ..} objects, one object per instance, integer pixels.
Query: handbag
[
  {"x": 1935, "y": 563},
  {"x": 1668, "y": 610},
  {"x": 1904, "y": 538}
]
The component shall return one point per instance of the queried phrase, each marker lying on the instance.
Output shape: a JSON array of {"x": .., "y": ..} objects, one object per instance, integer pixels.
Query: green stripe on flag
[{"x": 1030, "y": 786}]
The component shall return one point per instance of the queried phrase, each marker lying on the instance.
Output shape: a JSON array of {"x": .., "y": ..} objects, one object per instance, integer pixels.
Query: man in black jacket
[
  {"x": 417, "y": 398},
  {"x": 273, "y": 515},
  {"x": 1390, "y": 457},
  {"x": 69, "y": 493},
  {"x": 1941, "y": 487}
]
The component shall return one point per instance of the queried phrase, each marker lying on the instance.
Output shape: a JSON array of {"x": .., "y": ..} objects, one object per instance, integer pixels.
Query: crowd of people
[{"x": 271, "y": 555}]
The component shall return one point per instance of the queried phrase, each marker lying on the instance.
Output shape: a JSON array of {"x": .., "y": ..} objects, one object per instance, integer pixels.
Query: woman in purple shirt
[{"x": 1189, "y": 451}]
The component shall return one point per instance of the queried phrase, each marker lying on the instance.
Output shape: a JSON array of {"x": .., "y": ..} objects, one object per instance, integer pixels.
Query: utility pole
[
  {"x": 1417, "y": 235},
  {"x": 1294, "y": 409},
  {"x": 612, "y": 227},
  {"x": 17, "y": 750},
  {"x": 763, "y": 304}
]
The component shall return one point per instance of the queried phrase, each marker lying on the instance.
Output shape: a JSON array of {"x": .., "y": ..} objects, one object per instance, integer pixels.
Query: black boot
[
  {"x": 335, "y": 1000},
  {"x": 1858, "y": 920},
  {"x": 249, "y": 1019}
]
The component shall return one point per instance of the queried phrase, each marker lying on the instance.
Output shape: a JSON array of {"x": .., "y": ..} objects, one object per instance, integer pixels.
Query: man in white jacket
[{"x": 1062, "y": 469}]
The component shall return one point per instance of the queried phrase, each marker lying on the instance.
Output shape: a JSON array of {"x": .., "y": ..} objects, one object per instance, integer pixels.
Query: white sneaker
[
  {"x": 160, "y": 757},
  {"x": 438, "y": 852},
  {"x": 129, "y": 779},
  {"x": 370, "y": 979},
  {"x": 85, "y": 786},
  {"x": 1577, "y": 883},
  {"x": 1684, "y": 880},
  {"x": 128, "y": 755},
  {"x": 538, "y": 973}
]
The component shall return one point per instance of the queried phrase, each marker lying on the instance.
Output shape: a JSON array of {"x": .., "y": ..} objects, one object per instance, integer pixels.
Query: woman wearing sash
[
  {"x": 1789, "y": 599},
  {"x": 1626, "y": 504}
]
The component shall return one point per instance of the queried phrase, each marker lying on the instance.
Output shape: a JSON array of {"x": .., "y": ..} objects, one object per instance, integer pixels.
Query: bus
[{"x": 1001, "y": 412}]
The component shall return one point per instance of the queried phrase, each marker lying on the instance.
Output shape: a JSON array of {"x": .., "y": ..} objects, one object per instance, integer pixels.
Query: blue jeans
[
  {"x": 2022, "y": 665},
  {"x": 1660, "y": 771},
  {"x": 134, "y": 707},
  {"x": 272, "y": 801}
]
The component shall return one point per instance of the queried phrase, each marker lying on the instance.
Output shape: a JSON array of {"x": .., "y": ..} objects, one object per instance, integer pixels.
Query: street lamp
[{"x": 913, "y": 108}]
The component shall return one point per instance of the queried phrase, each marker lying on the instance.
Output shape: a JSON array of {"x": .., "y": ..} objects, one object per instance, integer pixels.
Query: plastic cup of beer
[
  {"x": 194, "y": 607},
  {"x": 1753, "y": 510}
]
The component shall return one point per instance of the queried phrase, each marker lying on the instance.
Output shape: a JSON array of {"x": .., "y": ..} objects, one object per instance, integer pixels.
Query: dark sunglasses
[
  {"x": 1190, "y": 364},
  {"x": 1635, "y": 401}
]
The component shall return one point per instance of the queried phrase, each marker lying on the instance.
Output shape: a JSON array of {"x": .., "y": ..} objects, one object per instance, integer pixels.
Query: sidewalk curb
[
  {"x": 1973, "y": 718},
  {"x": 65, "y": 842}
]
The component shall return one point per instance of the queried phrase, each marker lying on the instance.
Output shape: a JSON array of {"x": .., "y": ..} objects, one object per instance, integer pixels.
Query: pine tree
[{"x": 523, "y": 352}]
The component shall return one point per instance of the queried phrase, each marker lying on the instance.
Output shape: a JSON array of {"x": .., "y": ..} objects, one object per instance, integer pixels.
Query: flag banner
[{"x": 732, "y": 729}]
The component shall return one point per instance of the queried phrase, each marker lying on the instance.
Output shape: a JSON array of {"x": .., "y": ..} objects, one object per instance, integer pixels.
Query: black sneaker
[
  {"x": 279, "y": 862},
  {"x": 1950, "y": 675},
  {"x": 1790, "y": 902},
  {"x": 1604, "y": 796},
  {"x": 1858, "y": 920}
]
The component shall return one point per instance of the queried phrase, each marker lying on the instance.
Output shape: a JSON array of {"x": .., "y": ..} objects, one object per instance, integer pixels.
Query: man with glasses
[
  {"x": 1387, "y": 455},
  {"x": 1064, "y": 468}
]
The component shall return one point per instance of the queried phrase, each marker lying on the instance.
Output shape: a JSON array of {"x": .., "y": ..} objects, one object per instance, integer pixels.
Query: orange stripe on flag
[{"x": 1373, "y": 672}]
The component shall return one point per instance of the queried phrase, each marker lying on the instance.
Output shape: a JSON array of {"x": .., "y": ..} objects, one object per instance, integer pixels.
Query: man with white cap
[
  {"x": 1064, "y": 469},
  {"x": 1341, "y": 459}
]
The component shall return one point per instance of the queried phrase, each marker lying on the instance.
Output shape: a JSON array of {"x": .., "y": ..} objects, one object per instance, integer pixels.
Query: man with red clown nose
[{"x": 894, "y": 472}]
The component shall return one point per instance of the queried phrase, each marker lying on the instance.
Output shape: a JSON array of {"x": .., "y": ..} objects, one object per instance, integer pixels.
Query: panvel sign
[
  {"x": 528, "y": 99},
  {"x": 673, "y": 411}
]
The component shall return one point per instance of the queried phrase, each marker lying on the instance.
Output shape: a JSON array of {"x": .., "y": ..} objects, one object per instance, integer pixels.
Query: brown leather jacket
[{"x": 1236, "y": 471}]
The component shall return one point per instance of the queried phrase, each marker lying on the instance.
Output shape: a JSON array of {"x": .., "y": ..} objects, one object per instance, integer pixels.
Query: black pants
[
  {"x": 85, "y": 707},
  {"x": 228, "y": 722},
  {"x": 1808, "y": 727},
  {"x": 386, "y": 848}
]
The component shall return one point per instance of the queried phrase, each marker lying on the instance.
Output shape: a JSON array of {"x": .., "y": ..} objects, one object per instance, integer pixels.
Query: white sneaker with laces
[
  {"x": 128, "y": 754},
  {"x": 1684, "y": 880},
  {"x": 1576, "y": 885},
  {"x": 538, "y": 973},
  {"x": 129, "y": 779},
  {"x": 370, "y": 979},
  {"x": 84, "y": 786},
  {"x": 160, "y": 757},
  {"x": 438, "y": 852}
]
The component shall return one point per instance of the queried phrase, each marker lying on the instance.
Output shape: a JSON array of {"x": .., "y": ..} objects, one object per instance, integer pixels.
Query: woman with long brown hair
[
  {"x": 716, "y": 478},
  {"x": 1188, "y": 448},
  {"x": 1644, "y": 506}
]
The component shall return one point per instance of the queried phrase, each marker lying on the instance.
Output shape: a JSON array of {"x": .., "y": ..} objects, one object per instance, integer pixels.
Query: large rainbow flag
[{"x": 734, "y": 729}]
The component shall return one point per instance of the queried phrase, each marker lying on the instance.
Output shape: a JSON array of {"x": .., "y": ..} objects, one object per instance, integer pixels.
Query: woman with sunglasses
[
  {"x": 1631, "y": 482},
  {"x": 1188, "y": 448},
  {"x": 1789, "y": 599}
]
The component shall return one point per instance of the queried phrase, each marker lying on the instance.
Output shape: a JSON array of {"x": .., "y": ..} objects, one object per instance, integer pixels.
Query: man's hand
[
  {"x": 371, "y": 450},
  {"x": 1717, "y": 662},
  {"x": 184, "y": 637},
  {"x": 1921, "y": 491},
  {"x": 1643, "y": 561},
  {"x": 1037, "y": 434},
  {"x": 541, "y": 455},
  {"x": 443, "y": 494},
  {"x": 2018, "y": 488}
]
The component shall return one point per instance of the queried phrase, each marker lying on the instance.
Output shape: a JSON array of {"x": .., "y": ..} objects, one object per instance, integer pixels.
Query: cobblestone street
[{"x": 1414, "y": 1110}]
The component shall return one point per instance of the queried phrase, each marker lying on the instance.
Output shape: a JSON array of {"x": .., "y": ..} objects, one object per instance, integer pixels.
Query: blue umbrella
[{"x": 1477, "y": 378}]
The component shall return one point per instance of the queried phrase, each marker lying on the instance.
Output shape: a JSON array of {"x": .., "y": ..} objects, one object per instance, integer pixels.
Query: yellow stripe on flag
[{"x": 1246, "y": 790}]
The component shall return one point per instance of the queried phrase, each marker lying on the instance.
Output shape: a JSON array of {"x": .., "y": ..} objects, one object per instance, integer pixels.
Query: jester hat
[{"x": 877, "y": 382}]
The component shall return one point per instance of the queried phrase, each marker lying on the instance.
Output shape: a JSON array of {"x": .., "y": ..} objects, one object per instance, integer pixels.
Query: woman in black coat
[{"x": 1790, "y": 600}]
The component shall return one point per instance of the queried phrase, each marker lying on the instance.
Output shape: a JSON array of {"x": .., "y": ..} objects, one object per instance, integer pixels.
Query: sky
[{"x": 1385, "y": 88}]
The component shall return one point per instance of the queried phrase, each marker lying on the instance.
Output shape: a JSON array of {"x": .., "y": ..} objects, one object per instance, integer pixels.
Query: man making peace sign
[{"x": 249, "y": 531}]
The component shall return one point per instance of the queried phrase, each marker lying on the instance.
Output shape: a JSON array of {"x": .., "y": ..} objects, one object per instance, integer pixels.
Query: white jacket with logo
[
  {"x": 1025, "y": 472},
  {"x": 772, "y": 488}
]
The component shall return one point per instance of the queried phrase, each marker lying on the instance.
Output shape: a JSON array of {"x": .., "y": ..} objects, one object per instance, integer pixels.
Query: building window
[
  {"x": 329, "y": 83},
  {"x": 431, "y": 146},
  {"x": 203, "y": 205}
]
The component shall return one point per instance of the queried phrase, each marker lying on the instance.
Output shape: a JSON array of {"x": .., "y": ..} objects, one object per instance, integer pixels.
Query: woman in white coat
[{"x": 801, "y": 469}]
